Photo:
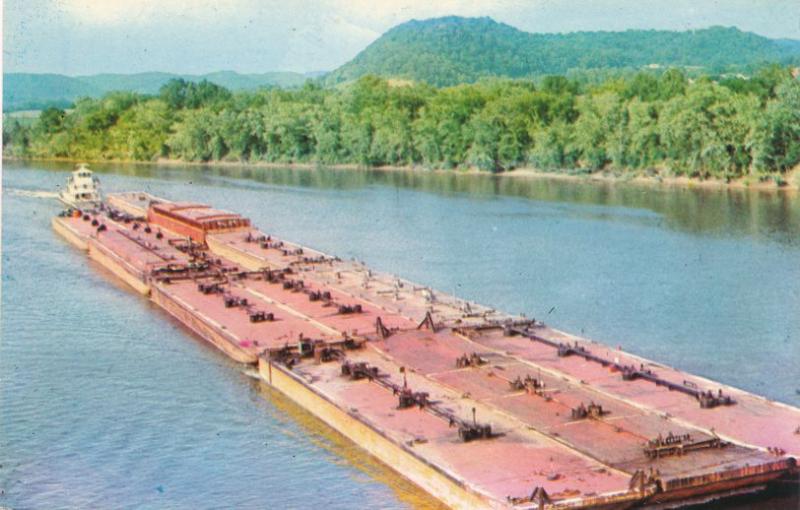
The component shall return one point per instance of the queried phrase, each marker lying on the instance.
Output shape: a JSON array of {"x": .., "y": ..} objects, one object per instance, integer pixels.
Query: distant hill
[
  {"x": 149, "y": 83},
  {"x": 450, "y": 50},
  {"x": 25, "y": 91},
  {"x": 34, "y": 91},
  {"x": 447, "y": 51}
]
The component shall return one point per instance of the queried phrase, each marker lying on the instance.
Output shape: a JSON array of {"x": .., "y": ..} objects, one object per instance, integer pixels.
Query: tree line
[{"x": 657, "y": 123}]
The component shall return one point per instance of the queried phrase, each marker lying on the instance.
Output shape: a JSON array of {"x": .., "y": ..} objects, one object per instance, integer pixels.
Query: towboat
[{"x": 83, "y": 189}]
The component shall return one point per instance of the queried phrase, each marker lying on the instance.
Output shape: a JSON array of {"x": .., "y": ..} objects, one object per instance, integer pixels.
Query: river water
[{"x": 107, "y": 403}]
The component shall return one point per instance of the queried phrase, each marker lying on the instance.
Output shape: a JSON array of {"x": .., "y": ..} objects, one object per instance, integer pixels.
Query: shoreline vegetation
[
  {"x": 792, "y": 184},
  {"x": 648, "y": 128}
]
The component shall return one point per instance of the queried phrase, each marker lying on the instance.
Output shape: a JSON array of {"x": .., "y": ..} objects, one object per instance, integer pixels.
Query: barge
[{"x": 479, "y": 408}]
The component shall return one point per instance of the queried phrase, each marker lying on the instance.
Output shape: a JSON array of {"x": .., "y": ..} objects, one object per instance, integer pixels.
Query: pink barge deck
[{"x": 479, "y": 408}]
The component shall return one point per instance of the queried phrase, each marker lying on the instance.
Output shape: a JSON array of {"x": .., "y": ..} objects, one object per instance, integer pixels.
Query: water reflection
[
  {"x": 704, "y": 280},
  {"x": 768, "y": 215}
]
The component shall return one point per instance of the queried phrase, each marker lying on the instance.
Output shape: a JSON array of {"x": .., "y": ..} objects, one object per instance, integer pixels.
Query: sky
[{"x": 77, "y": 37}]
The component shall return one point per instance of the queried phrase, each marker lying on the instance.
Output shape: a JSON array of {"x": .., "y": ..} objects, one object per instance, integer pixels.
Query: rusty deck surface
[{"x": 574, "y": 423}]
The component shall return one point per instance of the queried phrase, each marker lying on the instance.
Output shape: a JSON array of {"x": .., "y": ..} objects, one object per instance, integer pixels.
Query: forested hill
[
  {"x": 451, "y": 50},
  {"x": 28, "y": 91},
  {"x": 666, "y": 125}
]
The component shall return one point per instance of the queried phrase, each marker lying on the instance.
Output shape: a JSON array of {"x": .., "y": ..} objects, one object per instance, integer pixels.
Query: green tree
[{"x": 776, "y": 144}]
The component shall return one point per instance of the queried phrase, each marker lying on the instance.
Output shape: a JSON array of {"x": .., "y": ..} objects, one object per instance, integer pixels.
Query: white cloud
[{"x": 118, "y": 12}]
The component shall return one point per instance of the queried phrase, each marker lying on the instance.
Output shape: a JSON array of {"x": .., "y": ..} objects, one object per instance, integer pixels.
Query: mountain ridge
[{"x": 450, "y": 50}]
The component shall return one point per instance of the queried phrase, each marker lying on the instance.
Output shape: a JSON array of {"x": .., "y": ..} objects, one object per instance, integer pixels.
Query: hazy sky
[{"x": 197, "y": 36}]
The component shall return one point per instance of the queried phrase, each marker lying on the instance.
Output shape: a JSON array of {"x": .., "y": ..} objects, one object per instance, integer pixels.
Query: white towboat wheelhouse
[{"x": 83, "y": 189}]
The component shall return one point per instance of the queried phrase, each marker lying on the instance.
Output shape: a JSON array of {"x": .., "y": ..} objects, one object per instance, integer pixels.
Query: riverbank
[{"x": 790, "y": 180}]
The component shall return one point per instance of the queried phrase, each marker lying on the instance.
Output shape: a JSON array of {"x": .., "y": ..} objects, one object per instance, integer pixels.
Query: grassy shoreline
[{"x": 791, "y": 178}]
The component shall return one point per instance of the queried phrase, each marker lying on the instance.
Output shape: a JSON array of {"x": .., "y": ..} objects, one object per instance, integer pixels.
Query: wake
[{"x": 30, "y": 193}]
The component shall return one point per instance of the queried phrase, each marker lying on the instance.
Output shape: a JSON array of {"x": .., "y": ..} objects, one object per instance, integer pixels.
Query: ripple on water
[{"x": 108, "y": 403}]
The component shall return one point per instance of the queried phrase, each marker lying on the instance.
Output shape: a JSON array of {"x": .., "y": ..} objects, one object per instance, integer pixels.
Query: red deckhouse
[{"x": 195, "y": 220}]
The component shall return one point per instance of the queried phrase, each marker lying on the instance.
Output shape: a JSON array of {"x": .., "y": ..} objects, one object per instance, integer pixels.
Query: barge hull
[
  {"x": 447, "y": 356},
  {"x": 202, "y": 327},
  {"x": 368, "y": 438}
]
